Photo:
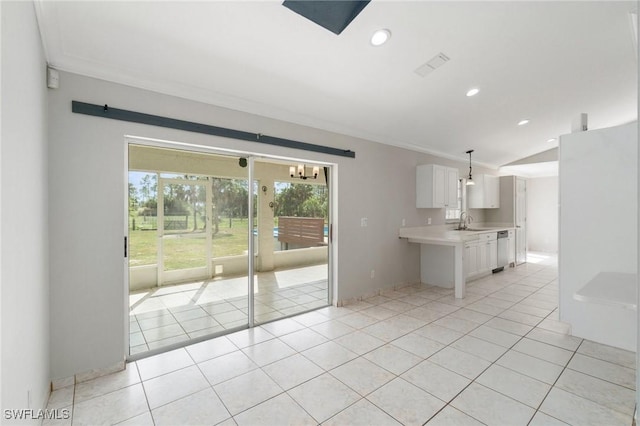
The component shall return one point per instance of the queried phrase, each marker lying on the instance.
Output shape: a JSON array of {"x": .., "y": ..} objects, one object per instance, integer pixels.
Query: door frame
[{"x": 332, "y": 266}]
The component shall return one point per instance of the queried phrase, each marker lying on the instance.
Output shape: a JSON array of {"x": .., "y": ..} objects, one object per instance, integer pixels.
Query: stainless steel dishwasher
[{"x": 503, "y": 250}]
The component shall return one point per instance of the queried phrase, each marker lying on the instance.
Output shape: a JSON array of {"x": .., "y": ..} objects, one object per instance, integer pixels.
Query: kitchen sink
[{"x": 468, "y": 229}]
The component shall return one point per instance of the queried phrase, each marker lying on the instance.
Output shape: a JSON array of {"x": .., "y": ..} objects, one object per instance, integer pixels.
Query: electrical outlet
[
  {"x": 403, "y": 222},
  {"x": 373, "y": 273},
  {"x": 429, "y": 221},
  {"x": 363, "y": 222}
]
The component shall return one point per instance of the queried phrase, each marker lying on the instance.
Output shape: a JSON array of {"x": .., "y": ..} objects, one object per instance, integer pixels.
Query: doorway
[{"x": 200, "y": 237}]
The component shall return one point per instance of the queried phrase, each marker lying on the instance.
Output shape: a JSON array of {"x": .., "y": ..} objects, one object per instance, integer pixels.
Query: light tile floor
[
  {"x": 411, "y": 356},
  {"x": 172, "y": 314}
]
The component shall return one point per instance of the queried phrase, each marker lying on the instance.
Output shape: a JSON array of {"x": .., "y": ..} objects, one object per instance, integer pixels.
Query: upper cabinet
[
  {"x": 485, "y": 194},
  {"x": 436, "y": 186}
]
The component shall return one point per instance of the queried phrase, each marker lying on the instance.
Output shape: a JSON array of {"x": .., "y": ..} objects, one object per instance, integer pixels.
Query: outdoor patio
[{"x": 166, "y": 315}]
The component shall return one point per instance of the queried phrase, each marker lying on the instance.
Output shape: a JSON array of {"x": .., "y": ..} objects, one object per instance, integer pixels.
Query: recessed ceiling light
[
  {"x": 551, "y": 140},
  {"x": 380, "y": 37},
  {"x": 523, "y": 122},
  {"x": 473, "y": 92}
]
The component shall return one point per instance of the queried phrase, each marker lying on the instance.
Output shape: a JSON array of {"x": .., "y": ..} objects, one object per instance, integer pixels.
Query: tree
[
  {"x": 145, "y": 190},
  {"x": 194, "y": 195},
  {"x": 303, "y": 200},
  {"x": 230, "y": 198},
  {"x": 133, "y": 196}
]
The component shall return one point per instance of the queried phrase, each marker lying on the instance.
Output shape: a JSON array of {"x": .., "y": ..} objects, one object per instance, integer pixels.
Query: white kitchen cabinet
[
  {"x": 488, "y": 252},
  {"x": 481, "y": 255},
  {"x": 513, "y": 211},
  {"x": 436, "y": 186},
  {"x": 485, "y": 194},
  {"x": 470, "y": 258}
]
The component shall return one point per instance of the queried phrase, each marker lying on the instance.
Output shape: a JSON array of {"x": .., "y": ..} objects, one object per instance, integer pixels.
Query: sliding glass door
[
  {"x": 191, "y": 217},
  {"x": 293, "y": 248},
  {"x": 188, "y": 245}
]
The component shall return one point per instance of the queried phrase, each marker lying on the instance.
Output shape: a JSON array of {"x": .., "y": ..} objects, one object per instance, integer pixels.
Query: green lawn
[{"x": 188, "y": 251}]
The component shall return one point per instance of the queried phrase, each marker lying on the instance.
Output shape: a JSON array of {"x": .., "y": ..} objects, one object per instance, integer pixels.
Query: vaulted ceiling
[{"x": 544, "y": 61}]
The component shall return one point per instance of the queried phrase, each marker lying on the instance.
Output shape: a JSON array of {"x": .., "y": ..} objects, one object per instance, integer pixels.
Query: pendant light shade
[{"x": 470, "y": 179}]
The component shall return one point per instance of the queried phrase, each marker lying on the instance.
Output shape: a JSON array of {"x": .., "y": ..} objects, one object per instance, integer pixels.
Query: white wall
[
  {"x": 1, "y": 368},
  {"x": 638, "y": 283},
  {"x": 598, "y": 230},
  {"x": 542, "y": 214},
  {"x": 25, "y": 282},
  {"x": 1, "y": 109},
  {"x": 87, "y": 174}
]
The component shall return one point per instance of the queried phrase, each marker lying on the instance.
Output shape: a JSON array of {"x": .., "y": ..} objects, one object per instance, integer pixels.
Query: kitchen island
[{"x": 443, "y": 261}]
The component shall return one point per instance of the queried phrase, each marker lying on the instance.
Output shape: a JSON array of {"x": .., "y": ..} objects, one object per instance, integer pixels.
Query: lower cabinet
[
  {"x": 481, "y": 255},
  {"x": 471, "y": 258}
]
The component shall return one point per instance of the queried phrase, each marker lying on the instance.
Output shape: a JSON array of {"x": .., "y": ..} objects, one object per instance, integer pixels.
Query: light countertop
[{"x": 446, "y": 234}]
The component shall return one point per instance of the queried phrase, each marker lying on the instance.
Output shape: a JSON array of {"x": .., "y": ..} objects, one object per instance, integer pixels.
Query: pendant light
[{"x": 470, "y": 179}]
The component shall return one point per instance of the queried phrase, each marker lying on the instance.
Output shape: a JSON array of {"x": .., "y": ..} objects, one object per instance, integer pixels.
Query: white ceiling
[{"x": 544, "y": 61}]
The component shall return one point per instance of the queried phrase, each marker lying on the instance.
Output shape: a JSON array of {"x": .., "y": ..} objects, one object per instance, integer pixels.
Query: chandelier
[{"x": 301, "y": 172}]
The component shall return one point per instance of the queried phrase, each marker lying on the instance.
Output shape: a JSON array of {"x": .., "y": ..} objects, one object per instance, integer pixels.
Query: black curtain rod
[{"x": 189, "y": 126}]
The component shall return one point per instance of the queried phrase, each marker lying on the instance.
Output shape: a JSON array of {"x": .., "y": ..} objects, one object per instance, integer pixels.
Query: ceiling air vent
[{"x": 436, "y": 62}]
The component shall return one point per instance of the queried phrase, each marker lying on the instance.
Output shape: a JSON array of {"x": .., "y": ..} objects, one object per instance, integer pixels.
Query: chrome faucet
[
  {"x": 465, "y": 220},
  {"x": 462, "y": 223}
]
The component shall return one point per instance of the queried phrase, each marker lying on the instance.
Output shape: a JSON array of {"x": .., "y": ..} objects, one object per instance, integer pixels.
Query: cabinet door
[
  {"x": 482, "y": 257},
  {"x": 492, "y": 255},
  {"x": 451, "y": 197},
  {"x": 430, "y": 181},
  {"x": 485, "y": 194},
  {"x": 439, "y": 186}
]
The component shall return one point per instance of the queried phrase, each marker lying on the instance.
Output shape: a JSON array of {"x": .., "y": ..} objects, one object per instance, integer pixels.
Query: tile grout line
[
  {"x": 466, "y": 334},
  {"x": 555, "y": 382},
  {"x": 483, "y": 371},
  {"x": 595, "y": 377},
  {"x": 542, "y": 290},
  {"x": 208, "y": 382}
]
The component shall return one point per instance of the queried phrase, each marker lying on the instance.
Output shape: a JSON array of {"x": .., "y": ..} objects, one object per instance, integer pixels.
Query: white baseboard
[{"x": 86, "y": 376}]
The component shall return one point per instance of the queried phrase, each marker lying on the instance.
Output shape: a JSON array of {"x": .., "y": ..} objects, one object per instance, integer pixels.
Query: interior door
[{"x": 521, "y": 221}]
